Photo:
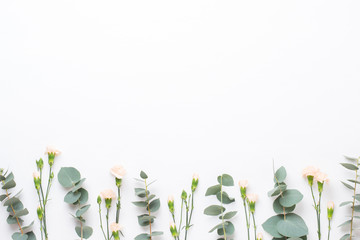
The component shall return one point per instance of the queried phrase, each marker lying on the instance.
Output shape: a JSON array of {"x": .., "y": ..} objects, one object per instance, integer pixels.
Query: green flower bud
[
  {"x": 37, "y": 180},
  {"x": 183, "y": 195},
  {"x": 195, "y": 182},
  {"x": 108, "y": 202},
  {"x": 118, "y": 182},
  {"x": 171, "y": 204},
  {"x": 173, "y": 230},
  {"x": 330, "y": 209},
  {"x": 40, "y": 164},
  {"x": 310, "y": 180},
  {"x": 40, "y": 213},
  {"x": 99, "y": 200},
  {"x": 320, "y": 186}
]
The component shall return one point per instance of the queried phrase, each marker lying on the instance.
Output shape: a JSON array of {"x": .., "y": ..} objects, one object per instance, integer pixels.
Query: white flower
[
  {"x": 243, "y": 183},
  {"x": 196, "y": 176},
  {"x": 53, "y": 150},
  {"x": 252, "y": 197},
  {"x": 170, "y": 198},
  {"x": 36, "y": 174},
  {"x": 259, "y": 236},
  {"x": 310, "y": 171},
  {"x": 118, "y": 171},
  {"x": 330, "y": 205},
  {"x": 321, "y": 177},
  {"x": 108, "y": 194},
  {"x": 115, "y": 227}
]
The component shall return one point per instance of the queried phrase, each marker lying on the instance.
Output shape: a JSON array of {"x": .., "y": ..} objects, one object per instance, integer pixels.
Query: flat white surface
[{"x": 175, "y": 88}]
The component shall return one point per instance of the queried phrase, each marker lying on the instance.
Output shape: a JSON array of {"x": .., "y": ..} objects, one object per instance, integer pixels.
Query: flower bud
[
  {"x": 99, "y": 200},
  {"x": 171, "y": 204},
  {"x": 115, "y": 228},
  {"x": 51, "y": 152},
  {"x": 330, "y": 209},
  {"x": 40, "y": 213},
  {"x": 243, "y": 185},
  {"x": 118, "y": 182},
  {"x": 259, "y": 236},
  {"x": 40, "y": 164},
  {"x": 173, "y": 230},
  {"x": 37, "y": 180},
  {"x": 310, "y": 172},
  {"x": 195, "y": 182},
  {"x": 184, "y": 195},
  {"x": 252, "y": 198}
]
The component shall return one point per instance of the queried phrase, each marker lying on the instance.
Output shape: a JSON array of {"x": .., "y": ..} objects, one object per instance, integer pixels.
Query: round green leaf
[
  {"x": 270, "y": 226},
  {"x": 84, "y": 195},
  {"x": 19, "y": 236},
  {"x": 213, "y": 190},
  {"x": 214, "y": 210},
  {"x": 86, "y": 231},
  {"x": 82, "y": 210},
  {"x": 280, "y": 175},
  {"x": 68, "y": 177},
  {"x": 229, "y": 229},
  {"x": 72, "y": 197},
  {"x": 154, "y": 205},
  {"x": 225, "y": 198},
  {"x": 280, "y": 209},
  {"x": 143, "y": 175},
  {"x": 292, "y": 226},
  {"x": 290, "y": 198},
  {"x": 226, "y": 180}
]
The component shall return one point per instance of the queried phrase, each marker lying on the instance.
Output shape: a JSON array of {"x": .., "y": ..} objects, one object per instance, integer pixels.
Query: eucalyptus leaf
[
  {"x": 213, "y": 190},
  {"x": 290, "y": 197},
  {"x": 72, "y": 197},
  {"x": 68, "y": 177},
  {"x": 214, "y": 210},
  {"x": 280, "y": 175},
  {"x": 225, "y": 180},
  {"x": 292, "y": 226},
  {"x": 82, "y": 210},
  {"x": 154, "y": 205}
]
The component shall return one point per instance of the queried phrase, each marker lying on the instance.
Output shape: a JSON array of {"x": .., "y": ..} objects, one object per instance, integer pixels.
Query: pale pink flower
[
  {"x": 330, "y": 205},
  {"x": 243, "y": 183},
  {"x": 321, "y": 177},
  {"x": 51, "y": 149},
  {"x": 252, "y": 197},
  {"x": 108, "y": 194},
  {"x": 259, "y": 236},
  {"x": 115, "y": 227},
  {"x": 170, "y": 198},
  {"x": 118, "y": 171},
  {"x": 196, "y": 176},
  {"x": 36, "y": 174},
  {"x": 310, "y": 171}
]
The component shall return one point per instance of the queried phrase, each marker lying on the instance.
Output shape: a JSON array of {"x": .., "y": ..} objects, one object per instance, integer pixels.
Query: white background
[{"x": 175, "y": 88}]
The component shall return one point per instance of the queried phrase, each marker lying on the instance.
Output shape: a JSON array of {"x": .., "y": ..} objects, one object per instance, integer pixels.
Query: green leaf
[
  {"x": 144, "y": 220},
  {"x": 86, "y": 231},
  {"x": 270, "y": 226},
  {"x": 345, "y": 223},
  {"x": 280, "y": 209},
  {"x": 78, "y": 185},
  {"x": 345, "y": 203},
  {"x": 351, "y": 159},
  {"x": 21, "y": 213},
  {"x": 229, "y": 215},
  {"x": 140, "y": 203},
  {"x": 143, "y": 175},
  {"x": 2, "y": 197},
  {"x": 348, "y": 185},
  {"x": 213, "y": 190},
  {"x": 84, "y": 196},
  {"x": 11, "y": 201},
  {"x": 26, "y": 228},
  {"x": 350, "y": 166},
  {"x": 277, "y": 190},
  {"x": 280, "y": 175},
  {"x": 31, "y": 236},
  {"x": 82, "y": 210},
  {"x": 143, "y": 236},
  {"x": 214, "y": 210},
  {"x": 154, "y": 205},
  {"x": 226, "y": 180},
  {"x": 140, "y": 192},
  {"x": 156, "y": 233},
  {"x": 16, "y": 206},
  {"x": 68, "y": 177},
  {"x": 290, "y": 197},
  {"x": 19, "y": 236},
  {"x": 72, "y": 197},
  {"x": 345, "y": 237},
  {"x": 292, "y": 226},
  {"x": 225, "y": 198},
  {"x": 229, "y": 229},
  {"x": 9, "y": 184},
  {"x": 12, "y": 220},
  {"x": 220, "y": 225}
]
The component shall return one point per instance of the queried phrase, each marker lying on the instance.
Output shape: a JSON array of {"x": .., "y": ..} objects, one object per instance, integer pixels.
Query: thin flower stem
[
  {"x": 187, "y": 220},
  {"x": 101, "y": 225},
  {"x": 319, "y": 219},
  {"x": 181, "y": 216},
  {"x": 329, "y": 229},
  {"x": 317, "y": 209},
  {"x": 253, "y": 216},
  {"x": 107, "y": 223},
  {"x": 247, "y": 219},
  {"x": 44, "y": 207},
  {"x": 118, "y": 206},
  {"x": 353, "y": 203}
]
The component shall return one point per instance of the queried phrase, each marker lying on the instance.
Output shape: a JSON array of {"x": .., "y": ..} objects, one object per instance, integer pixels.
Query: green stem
[
  {"x": 353, "y": 203},
  {"x": 316, "y": 206},
  {"x": 181, "y": 216},
  {"x": 319, "y": 219},
  {"x": 107, "y": 223},
  {"x": 222, "y": 212},
  {"x": 187, "y": 220},
  {"x": 148, "y": 207},
  {"x": 101, "y": 225},
  {"x": 247, "y": 219},
  {"x": 44, "y": 207},
  {"x": 253, "y": 216},
  {"x": 329, "y": 229},
  {"x": 41, "y": 221},
  {"x": 118, "y": 206}
]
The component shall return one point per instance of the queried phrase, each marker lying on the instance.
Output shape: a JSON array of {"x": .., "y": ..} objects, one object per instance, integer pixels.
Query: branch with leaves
[
  {"x": 151, "y": 205},
  {"x": 352, "y": 165},
  {"x": 15, "y": 207},
  {"x": 225, "y": 228},
  {"x": 70, "y": 178},
  {"x": 43, "y": 195},
  {"x": 187, "y": 205},
  {"x": 285, "y": 224}
]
